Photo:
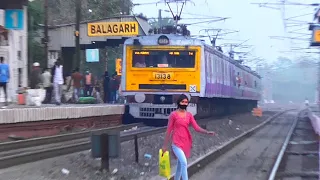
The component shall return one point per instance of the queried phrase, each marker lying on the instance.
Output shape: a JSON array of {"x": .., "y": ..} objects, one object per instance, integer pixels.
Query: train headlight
[
  {"x": 140, "y": 97},
  {"x": 162, "y": 98}
]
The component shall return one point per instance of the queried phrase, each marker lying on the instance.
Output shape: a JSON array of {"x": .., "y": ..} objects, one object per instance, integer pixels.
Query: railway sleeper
[
  {"x": 302, "y": 142},
  {"x": 304, "y": 153},
  {"x": 304, "y": 128},
  {"x": 309, "y": 174}
]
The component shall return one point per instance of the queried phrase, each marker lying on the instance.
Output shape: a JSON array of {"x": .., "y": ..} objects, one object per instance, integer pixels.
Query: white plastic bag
[{"x": 35, "y": 97}]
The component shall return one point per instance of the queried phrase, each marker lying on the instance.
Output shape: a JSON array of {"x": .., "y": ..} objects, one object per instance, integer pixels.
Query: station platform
[
  {"x": 22, "y": 114},
  {"x": 314, "y": 116},
  {"x": 28, "y": 122}
]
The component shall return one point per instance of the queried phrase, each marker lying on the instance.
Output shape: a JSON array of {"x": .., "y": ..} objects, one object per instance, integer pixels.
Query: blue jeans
[
  {"x": 182, "y": 165},
  {"x": 113, "y": 96},
  {"x": 76, "y": 94}
]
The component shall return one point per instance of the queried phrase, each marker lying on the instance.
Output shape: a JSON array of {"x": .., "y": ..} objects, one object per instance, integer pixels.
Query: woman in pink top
[{"x": 178, "y": 130}]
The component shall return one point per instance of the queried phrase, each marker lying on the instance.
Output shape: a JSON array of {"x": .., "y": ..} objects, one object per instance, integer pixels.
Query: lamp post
[{"x": 76, "y": 61}]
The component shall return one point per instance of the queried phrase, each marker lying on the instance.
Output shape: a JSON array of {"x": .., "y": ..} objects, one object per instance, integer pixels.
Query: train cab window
[
  {"x": 163, "y": 59},
  {"x": 140, "y": 61}
]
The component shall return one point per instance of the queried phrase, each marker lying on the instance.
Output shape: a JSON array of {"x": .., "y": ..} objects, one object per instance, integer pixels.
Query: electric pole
[
  {"x": 45, "y": 40},
  {"x": 160, "y": 20},
  {"x": 77, "y": 34}
]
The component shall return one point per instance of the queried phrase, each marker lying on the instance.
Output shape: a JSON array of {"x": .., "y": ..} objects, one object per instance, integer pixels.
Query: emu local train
[{"x": 158, "y": 68}]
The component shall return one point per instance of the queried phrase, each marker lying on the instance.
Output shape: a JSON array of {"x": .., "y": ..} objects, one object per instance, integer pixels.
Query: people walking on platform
[
  {"x": 35, "y": 77},
  {"x": 77, "y": 77},
  {"x": 178, "y": 131},
  {"x": 47, "y": 85},
  {"x": 58, "y": 81},
  {"x": 106, "y": 80},
  {"x": 4, "y": 79},
  {"x": 88, "y": 87}
]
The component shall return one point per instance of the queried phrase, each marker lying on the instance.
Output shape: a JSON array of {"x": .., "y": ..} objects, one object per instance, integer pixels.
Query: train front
[{"x": 156, "y": 70}]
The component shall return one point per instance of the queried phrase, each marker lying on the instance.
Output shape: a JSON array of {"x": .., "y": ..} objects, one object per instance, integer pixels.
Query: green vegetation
[{"x": 35, "y": 17}]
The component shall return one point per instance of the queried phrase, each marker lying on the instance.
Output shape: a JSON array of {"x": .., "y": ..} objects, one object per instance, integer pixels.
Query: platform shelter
[{"x": 100, "y": 34}]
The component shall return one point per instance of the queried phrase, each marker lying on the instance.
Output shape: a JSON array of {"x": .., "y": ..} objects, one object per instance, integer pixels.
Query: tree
[
  {"x": 35, "y": 17},
  {"x": 63, "y": 11}
]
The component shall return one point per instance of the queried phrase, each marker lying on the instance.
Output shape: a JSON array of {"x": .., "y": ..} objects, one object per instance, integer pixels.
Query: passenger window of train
[{"x": 163, "y": 59}]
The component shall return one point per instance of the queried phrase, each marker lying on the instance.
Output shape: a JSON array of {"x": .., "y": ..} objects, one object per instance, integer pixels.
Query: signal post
[{"x": 315, "y": 42}]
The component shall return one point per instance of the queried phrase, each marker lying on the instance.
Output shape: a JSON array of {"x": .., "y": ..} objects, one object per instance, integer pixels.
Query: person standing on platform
[
  {"x": 88, "y": 87},
  {"x": 35, "y": 77},
  {"x": 76, "y": 79},
  {"x": 178, "y": 131},
  {"x": 4, "y": 79},
  {"x": 106, "y": 92},
  {"x": 58, "y": 81},
  {"x": 46, "y": 80},
  {"x": 114, "y": 87}
]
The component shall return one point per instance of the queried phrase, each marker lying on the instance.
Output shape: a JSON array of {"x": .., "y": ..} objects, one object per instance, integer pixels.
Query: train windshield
[{"x": 163, "y": 59}]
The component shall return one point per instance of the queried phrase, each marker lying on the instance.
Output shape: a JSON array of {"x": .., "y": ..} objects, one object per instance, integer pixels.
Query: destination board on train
[
  {"x": 113, "y": 29},
  {"x": 172, "y": 53}
]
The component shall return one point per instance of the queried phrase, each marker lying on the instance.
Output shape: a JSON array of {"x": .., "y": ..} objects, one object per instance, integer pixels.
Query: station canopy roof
[{"x": 12, "y": 4}]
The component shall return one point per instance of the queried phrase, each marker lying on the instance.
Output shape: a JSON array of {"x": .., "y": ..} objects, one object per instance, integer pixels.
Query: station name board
[{"x": 113, "y": 29}]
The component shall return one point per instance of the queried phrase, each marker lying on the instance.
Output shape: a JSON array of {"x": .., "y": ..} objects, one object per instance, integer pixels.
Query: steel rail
[
  {"x": 7, "y": 146},
  {"x": 22, "y": 158},
  {"x": 276, "y": 165}
]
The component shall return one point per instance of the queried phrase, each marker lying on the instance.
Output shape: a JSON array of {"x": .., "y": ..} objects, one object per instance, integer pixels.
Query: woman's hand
[
  {"x": 164, "y": 149},
  {"x": 211, "y": 133}
]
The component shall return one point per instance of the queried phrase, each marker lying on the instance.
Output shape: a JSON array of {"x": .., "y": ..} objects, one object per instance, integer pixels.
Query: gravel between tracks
[{"x": 83, "y": 167}]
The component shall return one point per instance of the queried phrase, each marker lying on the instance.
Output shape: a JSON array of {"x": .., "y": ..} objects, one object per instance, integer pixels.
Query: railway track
[
  {"x": 298, "y": 156},
  {"x": 15, "y": 153},
  {"x": 286, "y": 137},
  {"x": 7, "y": 146},
  {"x": 228, "y": 160},
  {"x": 25, "y": 151}
]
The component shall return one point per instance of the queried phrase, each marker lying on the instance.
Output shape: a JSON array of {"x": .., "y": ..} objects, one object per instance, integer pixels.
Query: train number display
[{"x": 163, "y": 76}]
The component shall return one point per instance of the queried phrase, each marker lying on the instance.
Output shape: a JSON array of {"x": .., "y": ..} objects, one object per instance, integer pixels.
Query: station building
[{"x": 14, "y": 42}]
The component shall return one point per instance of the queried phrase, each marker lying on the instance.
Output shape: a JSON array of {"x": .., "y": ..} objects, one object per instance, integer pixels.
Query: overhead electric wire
[
  {"x": 148, "y": 3},
  {"x": 182, "y": 18},
  {"x": 288, "y": 3},
  {"x": 201, "y": 22}
]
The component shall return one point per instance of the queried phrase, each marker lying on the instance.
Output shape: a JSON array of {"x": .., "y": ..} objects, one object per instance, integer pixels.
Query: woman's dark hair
[{"x": 181, "y": 97}]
